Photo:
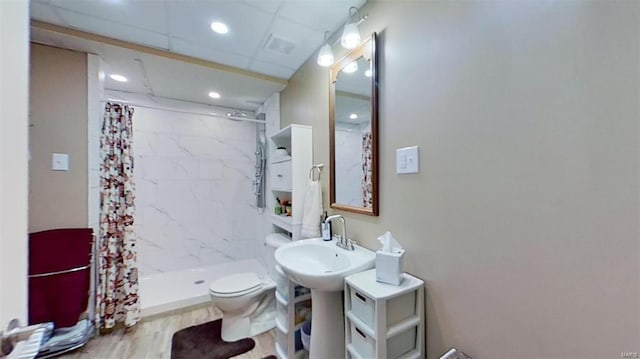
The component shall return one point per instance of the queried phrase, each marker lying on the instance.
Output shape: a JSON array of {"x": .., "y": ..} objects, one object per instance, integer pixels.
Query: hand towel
[{"x": 312, "y": 210}]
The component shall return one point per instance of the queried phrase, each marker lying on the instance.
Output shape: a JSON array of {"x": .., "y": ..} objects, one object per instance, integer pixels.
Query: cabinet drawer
[
  {"x": 397, "y": 346},
  {"x": 281, "y": 176},
  {"x": 398, "y": 308},
  {"x": 363, "y": 344}
]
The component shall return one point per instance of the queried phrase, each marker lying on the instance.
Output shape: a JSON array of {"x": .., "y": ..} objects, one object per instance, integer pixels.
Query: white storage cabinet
[
  {"x": 288, "y": 176},
  {"x": 292, "y": 302},
  {"x": 383, "y": 320}
]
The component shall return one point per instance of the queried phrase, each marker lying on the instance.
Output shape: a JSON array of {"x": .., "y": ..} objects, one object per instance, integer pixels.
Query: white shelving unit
[
  {"x": 384, "y": 320},
  {"x": 293, "y": 303},
  {"x": 288, "y": 178},
  {"x": 289, "y": 174}
]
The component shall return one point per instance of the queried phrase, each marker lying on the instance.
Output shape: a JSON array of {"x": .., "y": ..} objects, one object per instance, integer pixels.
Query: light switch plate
[
  {"x": 407, "y": 160},
  {"x": 59, "y": 161}
]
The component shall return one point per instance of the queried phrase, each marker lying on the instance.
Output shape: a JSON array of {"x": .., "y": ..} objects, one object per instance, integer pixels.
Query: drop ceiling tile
[
  {"x": 208, "y": 53},
  {"x": 272, "y": 69},
  {"x": 148, "y": 15},
  {"x": 270, "y": 6},
  {"x": 191, "y": 21},
  {"x": 306, "y": 40},
  {"x": 117, "y": 31},
  {"x": 43, "y": 12},
  {"x": 179, "y": 80},
  {"x": 320, "y": 15}
]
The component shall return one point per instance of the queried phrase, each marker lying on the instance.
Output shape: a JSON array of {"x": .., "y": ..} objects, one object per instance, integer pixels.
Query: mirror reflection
[{"x": 353, "y": 173}]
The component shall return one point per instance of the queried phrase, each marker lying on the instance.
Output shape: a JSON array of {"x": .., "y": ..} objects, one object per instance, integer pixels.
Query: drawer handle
[
  {"x": 361, "y": 297},
  {"x": 280, "y": 176},
  {"x": 361, "y": 333}
]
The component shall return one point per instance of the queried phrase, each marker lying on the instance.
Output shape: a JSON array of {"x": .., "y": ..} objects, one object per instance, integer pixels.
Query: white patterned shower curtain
[
  {"x": 117, "y": 293},
  {"x": 367, "y": 170}
]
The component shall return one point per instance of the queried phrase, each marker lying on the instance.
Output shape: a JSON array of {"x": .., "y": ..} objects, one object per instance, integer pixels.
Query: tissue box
[{"x": 389, "y": 266}]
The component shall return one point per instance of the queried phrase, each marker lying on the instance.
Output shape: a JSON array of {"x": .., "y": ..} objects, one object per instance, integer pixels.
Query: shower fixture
[{"x": 261, "y": 163}]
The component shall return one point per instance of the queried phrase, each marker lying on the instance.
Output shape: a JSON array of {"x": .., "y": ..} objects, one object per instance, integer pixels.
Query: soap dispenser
[{"x": 326, "y": 228}]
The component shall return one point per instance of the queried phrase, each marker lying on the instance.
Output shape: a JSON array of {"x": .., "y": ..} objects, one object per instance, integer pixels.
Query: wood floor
[{"x": 151, "y": 338}]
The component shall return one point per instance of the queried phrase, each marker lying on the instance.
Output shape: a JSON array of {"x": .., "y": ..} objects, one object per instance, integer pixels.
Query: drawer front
[
  {"x": 363, "y": 307},
  {"x": 281, "y": 176},
  {"x": 362, "y": 343}
]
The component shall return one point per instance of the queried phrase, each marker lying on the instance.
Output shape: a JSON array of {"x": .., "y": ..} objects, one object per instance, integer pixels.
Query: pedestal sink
[{"x": 322, "y": 266}]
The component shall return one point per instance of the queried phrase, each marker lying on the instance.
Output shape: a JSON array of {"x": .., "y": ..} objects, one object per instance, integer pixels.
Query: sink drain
[{"x": 199, "y": 281}]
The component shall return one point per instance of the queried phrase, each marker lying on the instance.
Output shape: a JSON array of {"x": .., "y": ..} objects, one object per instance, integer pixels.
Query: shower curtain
[
  {"x": 367, "y": 170},
  {"x": 117, "y": 294}
]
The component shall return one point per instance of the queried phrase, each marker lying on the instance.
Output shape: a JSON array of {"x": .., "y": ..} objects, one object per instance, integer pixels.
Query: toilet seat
[{"x": 236, "y": 285}]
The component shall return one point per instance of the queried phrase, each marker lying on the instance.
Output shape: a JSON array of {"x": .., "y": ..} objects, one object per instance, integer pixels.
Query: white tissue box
[{"x": 389, "y": 266}]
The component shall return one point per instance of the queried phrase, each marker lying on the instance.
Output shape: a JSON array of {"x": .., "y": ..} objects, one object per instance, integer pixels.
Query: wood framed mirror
[{"x": 353, "y": 130}]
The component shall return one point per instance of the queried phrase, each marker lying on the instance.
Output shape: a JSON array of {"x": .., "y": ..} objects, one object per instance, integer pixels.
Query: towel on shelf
[{"x": 312, "y": 210}]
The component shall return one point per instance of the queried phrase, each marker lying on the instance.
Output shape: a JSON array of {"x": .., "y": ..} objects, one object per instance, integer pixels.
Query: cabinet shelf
[
  {"x": 280, "y": 160},
  {"x": 283, "y": 329},
  {"x": 284, "y": 222},
  {"x": 302, "y": 298},
  {"x": 281, "y": 300}
]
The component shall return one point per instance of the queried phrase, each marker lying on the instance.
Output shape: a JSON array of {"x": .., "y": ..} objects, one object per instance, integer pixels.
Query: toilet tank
[{"x": 273, "y": 241}]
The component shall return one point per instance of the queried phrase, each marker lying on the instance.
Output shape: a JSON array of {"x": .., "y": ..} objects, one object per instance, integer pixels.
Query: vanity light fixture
[
  {"x": 219, "y": 27},
  {"x": 351, "y": 68},
  {"x": 350, "y": 35},
  {"x": 214, "y": 94},
  {"x": 325, "y": 55},
  {"x": 353, "y": 116},
  {"x": 118, "y": 78}
]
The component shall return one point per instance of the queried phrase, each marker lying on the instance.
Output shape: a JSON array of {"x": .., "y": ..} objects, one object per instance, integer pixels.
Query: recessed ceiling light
[
  {"x": 353, "y": 116},
  {"x": 118, "y": 78},
  {"x": 214, "y": 94},
  {"x": 219, "y": 27}
]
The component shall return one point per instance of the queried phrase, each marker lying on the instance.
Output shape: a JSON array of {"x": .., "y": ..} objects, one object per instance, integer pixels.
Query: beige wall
[
  {"x": 58, "y": 118},
  {"x": 523, "y": 220},
  {"x": 14, "y": 72}
]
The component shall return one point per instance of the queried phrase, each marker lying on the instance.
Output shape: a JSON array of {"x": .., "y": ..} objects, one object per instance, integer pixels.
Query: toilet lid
[{"x": 236, "y": 283}]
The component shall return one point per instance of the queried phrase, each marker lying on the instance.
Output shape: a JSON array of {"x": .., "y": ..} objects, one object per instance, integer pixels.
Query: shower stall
[{"x": 200, "y": 188}]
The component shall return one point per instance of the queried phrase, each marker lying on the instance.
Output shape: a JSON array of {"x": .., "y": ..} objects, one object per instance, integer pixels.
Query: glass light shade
[
  {"x": 350, "y": 36},
  {"x": 325, "y": 56},
  {"x": 351, "y": 67}
]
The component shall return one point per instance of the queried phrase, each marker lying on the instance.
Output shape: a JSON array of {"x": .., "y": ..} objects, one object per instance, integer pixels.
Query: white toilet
[{"x": 247, "y": 300}]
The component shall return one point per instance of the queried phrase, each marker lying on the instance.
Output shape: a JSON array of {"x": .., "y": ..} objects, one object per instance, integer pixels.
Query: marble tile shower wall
[
  {"x": 349, "y": 167},
  {"x": 194, "y": 199}
]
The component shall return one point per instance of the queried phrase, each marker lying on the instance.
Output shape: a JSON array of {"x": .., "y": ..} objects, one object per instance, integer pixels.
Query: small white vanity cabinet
[
  {"x": 383, "y": 320},
  {"x": 293, "y": 303},
  {"x": 289, "y": 174}
]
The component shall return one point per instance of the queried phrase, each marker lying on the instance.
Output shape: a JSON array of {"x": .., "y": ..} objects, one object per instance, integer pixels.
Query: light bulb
[
  {"x": 350, "y": 36},
  {"x": 118, "y": 78},
  {"x": 351, "y": 67},
  {"x": 325, "y": 56}
]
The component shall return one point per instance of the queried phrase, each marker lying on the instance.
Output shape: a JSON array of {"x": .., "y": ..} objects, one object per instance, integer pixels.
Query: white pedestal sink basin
[{"x": 321, "y": 266}]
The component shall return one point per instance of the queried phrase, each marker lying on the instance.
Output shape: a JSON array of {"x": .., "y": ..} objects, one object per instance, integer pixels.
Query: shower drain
[{"x": 199, "y": 281}]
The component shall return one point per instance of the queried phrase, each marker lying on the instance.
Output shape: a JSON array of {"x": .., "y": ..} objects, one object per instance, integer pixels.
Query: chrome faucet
[{"x": 343, "y": 241}]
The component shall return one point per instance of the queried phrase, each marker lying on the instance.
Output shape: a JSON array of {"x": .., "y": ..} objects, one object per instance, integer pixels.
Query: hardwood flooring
[{"x": 151, "y": 338}]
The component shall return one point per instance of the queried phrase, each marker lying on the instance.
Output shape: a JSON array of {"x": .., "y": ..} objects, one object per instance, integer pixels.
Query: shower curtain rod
[{"x": 185, "y": 111}]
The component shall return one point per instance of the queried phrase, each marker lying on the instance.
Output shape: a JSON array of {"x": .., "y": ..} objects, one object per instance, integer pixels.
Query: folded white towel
[{"x": 312, "y": 210}]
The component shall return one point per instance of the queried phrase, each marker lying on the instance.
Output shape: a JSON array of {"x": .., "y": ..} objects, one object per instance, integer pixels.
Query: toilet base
[{"x": 238, "y": 327}]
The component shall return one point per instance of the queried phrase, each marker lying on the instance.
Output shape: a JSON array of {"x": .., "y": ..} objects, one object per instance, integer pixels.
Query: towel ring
[{"x": 311, "y": 172}]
